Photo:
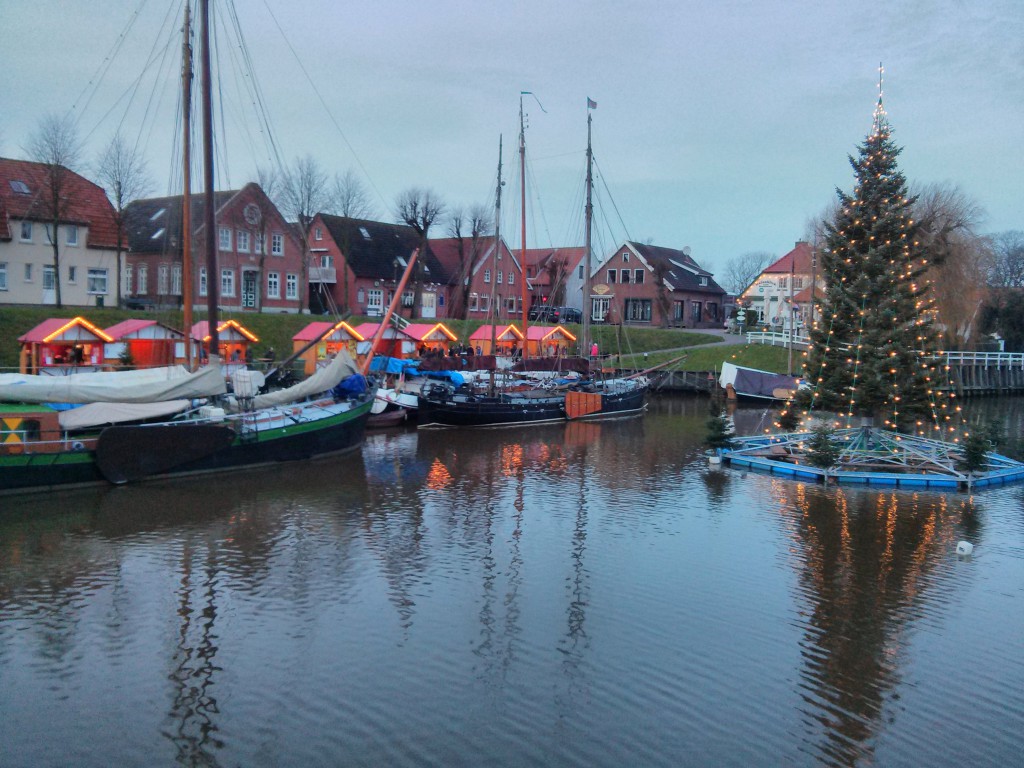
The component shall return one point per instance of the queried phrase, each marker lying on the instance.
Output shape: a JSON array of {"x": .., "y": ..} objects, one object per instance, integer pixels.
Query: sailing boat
[{"x": 326, "y": 413}]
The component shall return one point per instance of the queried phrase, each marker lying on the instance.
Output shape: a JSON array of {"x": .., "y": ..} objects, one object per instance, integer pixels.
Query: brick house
[
  {"x": 86, "y": 239},
  {"x": 556, "y": 276},
  {"x": 259, "y": 259},
  {"x": 356, "y": 265},
  {"x": 472, "y": 266},
  {"x": 650, "y": 285}
]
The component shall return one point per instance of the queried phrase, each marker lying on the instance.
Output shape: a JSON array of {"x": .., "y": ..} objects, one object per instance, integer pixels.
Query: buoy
[
  {"x": 713, "y": 460},
  {"x": 964, "y": 549}
]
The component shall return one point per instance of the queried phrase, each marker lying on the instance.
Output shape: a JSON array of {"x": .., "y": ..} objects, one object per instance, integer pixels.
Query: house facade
[
  {"x": 476, "y": 274},
  {"x": 86, "y": 239},
  {"x": 260, "y": 263},
  {"x": 784, "y": 285},
  {"x": 650, "y": 285},
  {"x": 356, "y": 264},
  {"x": 556, "y": 276}
]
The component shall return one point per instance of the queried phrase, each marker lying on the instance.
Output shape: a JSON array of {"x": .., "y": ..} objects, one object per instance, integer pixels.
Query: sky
[{"x": 721, "y": 126}]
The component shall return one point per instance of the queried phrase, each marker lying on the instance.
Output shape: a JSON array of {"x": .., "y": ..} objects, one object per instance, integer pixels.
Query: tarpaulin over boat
[
  {"x": 754, "y": 383},
  {"x": 146, "y": 385},
  {"x": 323, "y": 380},
  {"x": 95, "y": 414}
]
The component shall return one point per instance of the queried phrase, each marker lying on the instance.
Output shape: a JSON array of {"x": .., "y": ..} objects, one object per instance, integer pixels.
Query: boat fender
[{"x": 78, "y": 445}]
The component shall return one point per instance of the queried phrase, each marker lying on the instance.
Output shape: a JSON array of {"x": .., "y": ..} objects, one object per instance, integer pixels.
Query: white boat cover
[
  {"x": 95, "y": 414},
  {"x": 324, "y": 379},
  {"x": 146, "y": 385}
]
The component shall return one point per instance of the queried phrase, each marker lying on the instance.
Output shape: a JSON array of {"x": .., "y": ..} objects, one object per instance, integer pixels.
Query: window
[
  {"x": 678, "y": 311},
  {"x": 242, "y": 241},
  {"x": 176, "y": 279},
  {"x": 360, "y": 296},
  {"x": 71, "y": 234},
  {"x": 227, "y": 282},
  {"x": 97, "y": 281},
  {"x": 702, "y": 280},
  {"x": 277, "y": 244},
  {"x": 612, "y": 274},
  {"x": 274, "y": 285},
  {"x": 487, "y": 275},
  {"x": 474, "y": 302},
  {"x": 163, "y": 279},
  {"x": 20, "y": 187},
  {"x": 711, "y": 309},
  {"x": 638, "y": 310},
  {"x": 798, "y": 283},
  {"x": 500, "y": 275},
  {"x": 638, "y": 276},
  {"x": 624, "y": 277},
  {"x": 580, "y": 272},
  {"x": 202, "y": 280},
  {"x": 26, "y": 231},
  {"x": 440, "y": 299},
  {"x": 407, "y": 299},
  {"x": 625, "y": 257},
  {"x": 49, "y": 280},
  {"x": 291, "y": 286},
  {"x": 511, "y": 278},
  {"x": 259, "y": 246},
  {"x": 3, "y": 275},
  {"x": 363, "y": 231},
  {"x": 511, "y": 305},
  {"x": 485, "y": 303},
  {"x": 783, "y": 282},
  {"x": 158, "y": 214},
  {"x": 695, "y": 311},
  {"x": 49, "y": 233},
  {"x": 143, "y": 279},
  {"x": 318, "y": 234},
  {"x": 128, "y": 280},
  {"x": 72, "y": 273},
  {"x": 28, "y": 273},
  {"x": 326, "y": 261},
  {"x": 225, "y": 239}
]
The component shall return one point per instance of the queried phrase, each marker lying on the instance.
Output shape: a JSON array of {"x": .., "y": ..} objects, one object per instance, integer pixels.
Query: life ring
[
  {"x": 776, "y": 320},
  {"x": 78, "y": 445}
]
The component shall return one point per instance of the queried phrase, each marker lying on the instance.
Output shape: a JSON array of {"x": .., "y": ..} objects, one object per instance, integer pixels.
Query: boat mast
[
  {"x": 588, "y": 219},
  {"x": 210, "y": 223},
  {"x": 494, "y": 259},
  {"x": 186, "y": 197},
  {"x": 522, "y": 172}
]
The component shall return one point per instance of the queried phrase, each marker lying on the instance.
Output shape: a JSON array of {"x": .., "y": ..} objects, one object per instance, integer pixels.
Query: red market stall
[
  {"x": 333, "y": 337},
  {"x": 143, "y": 344},
  {"x": 60, "y": 346},
  {"x": 431, "y": 338},
  {"x": 394, "y": 343},
  {"x": 508, "y": 340},
  {"x": 233, "y": 339},
  {"x": 547, "y": 341}
]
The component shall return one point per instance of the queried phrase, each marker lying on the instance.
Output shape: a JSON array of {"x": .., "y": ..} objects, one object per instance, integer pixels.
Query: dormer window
[
  {"x": 20, "y": 187},
  {"x": 158, "y": 214},
  {"x": 365, "y": 233},
  {"x": 702, "y": 280},
  {"x": 625, "y": 256},
  {"x": 158, "y": 234}
]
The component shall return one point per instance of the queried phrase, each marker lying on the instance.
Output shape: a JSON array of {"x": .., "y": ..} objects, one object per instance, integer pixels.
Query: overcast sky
[{"x": 721, "y": 125}]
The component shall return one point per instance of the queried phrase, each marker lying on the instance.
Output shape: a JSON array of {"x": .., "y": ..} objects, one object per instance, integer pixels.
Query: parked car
[{"x": 539, "y": 312}]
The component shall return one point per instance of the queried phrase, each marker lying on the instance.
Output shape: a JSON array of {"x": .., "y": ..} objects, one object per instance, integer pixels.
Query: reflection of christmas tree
[{"x": 871, "y": 352}]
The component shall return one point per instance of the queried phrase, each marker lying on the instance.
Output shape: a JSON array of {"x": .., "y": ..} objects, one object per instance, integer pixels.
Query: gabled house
[
  {"x": 356, "y": 264},
  {"x": 556, "y": 276},
  {"x": 86, "y": 238},
  {"x": 783, "y": 285},
  {"x": 260, "y": 264},
  {"x": 143, "y": 343},
  {"x": 475, "y": 275},
  {"x": 650, "y": 285},
  {"x": 57, "y": 345}
]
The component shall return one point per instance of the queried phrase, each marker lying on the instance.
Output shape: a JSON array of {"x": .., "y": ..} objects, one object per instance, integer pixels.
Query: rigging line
[
  {"x": 240, "y": 76},
  {"x": 104, "y": 67},
  {"x": 604, "y": 184},
  {"x": 327, "y": 109},
  {"x": 222, "y": 170}
]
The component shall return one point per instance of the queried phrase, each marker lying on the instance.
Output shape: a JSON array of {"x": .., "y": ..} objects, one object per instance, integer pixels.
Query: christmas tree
[{"x": 871, "y": 351}]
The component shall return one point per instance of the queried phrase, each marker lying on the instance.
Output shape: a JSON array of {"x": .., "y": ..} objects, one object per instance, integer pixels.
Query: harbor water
[{"x": 567, "y": 595}]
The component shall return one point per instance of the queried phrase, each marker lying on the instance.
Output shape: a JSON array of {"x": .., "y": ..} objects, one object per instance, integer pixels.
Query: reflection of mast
[{"x": 580, "y": 587}]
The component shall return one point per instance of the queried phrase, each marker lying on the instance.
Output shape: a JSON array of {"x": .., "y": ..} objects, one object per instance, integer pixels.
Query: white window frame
[
  {"x": 291, "y": 286},
  {"x": 128, "y": 280},
  {"x": 143, "y": 280},
  {"x": 242, "y": 240},
  {"x": 3, "y": 275},
  {"x": 613, "y": 276},
  {"x": 259, "y": 245},
  {"x": 71, "y": 235},
  {"x": 203, "y": 282},
  {"x": 487, "y": 275},
  {"x": 273, "y": 285},
  {"x": 72, "y": 274},
  {"x": 625, "y": 257},
  {"x": 176, "y": 279},
  {"x": 26, "y": 227},
  {"x": 28, "y": 273},
  {"x": 500, "y": 276},
  {"x": 227, "y": 282},
  {"x": 163, "y": 279},
  {"x": 511, "y": 278},
  {"x": 277, "y": 244},
  {"x": 97, "y": 282},
  {"x": 224, "y": 243},
  {"x": 638, "y": 276},
  {"x": 49, "y": 277},
  {"x": 318, "y": 234},
  {"x": 703, "y": 281}
]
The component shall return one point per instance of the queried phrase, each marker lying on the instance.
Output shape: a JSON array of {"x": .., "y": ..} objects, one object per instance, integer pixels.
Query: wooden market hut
[
  {"x": 233, "y": 339},
  {"x": 330, "y": 338},
  {"x": 508, "y": 340},
  {"x": 548, "y": 341},
  {"x": 394, "y": 343},
  {"x": 59, "y": 345},
  {"x": 145, "y": 343},
  {"x": 432, "y": 338}
]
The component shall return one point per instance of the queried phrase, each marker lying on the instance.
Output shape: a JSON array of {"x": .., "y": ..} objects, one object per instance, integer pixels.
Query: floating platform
[{"x": 875, "y": 457}]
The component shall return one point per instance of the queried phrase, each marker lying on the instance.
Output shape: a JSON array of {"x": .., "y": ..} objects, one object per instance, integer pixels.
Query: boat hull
[
  {"x": 605, "y": 405},
  {"x": 458, "y": 410}
]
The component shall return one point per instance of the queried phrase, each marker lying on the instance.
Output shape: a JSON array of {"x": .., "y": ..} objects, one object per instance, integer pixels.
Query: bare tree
[
  {"x": 959, "y": 258},
  {"x": 350, "y": 198},
  {"x": 741, "y": 271},
  {"x": 1007, "y": 268},
  {"x": 419, "y": 209},
  {"x": 270, "y": 181},
  {"x": 124, "y": 176},
  {"x": 304, "y": 193},
  {"x": 478, "y": 221},
  {"x": 56, "y": 145}
]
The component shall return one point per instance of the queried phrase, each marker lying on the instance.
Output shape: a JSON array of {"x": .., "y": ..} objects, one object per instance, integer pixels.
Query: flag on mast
[{"x": 591, "y": 104}]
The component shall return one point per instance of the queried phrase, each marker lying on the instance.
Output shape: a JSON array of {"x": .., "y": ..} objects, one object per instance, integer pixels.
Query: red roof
[
  {"x": 541, "y": 332},
  {"x": 369, "y": 330},
  {"x": 201, "y": 330},
  {"x": 484, "y": 332},
  {"x": 797, "y": 261},
  {"x": 320, "y": 328},
  {"x": 539, "y": 258},
  {"x": 87, "y": 204},
  {"x": 55, "y": 325},
  {"x": 420, "y": 331},
  {"x": 134, "y": 325}
]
